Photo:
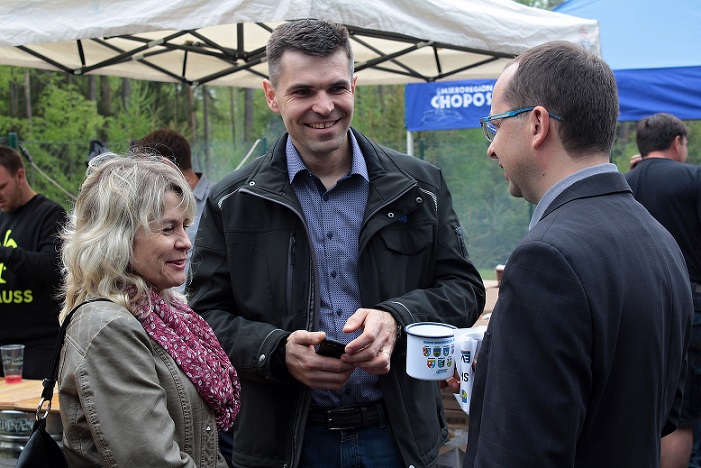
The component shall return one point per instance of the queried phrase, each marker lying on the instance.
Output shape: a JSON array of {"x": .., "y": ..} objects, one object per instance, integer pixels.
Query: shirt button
[
  {"x": 329, "y": 235},
  {"x": 339, "y": 312},
  {"x": 333, "y": 274}
]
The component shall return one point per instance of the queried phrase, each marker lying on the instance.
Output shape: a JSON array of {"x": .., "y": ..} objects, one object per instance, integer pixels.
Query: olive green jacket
[{"x": 124, "y": 401}]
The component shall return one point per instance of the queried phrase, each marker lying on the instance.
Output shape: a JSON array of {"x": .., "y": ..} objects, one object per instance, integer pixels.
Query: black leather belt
[{"x": 350, "y": 417}]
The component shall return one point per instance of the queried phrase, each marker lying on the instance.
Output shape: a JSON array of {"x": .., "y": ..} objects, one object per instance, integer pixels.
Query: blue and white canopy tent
[{"x": 654, "y": 48}]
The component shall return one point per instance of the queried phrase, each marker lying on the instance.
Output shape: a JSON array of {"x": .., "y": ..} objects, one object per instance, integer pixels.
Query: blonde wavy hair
[{"x": 119, "y": 196}]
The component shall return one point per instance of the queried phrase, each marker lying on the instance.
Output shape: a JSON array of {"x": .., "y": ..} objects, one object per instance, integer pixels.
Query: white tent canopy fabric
[{"x": 222, "y": 42}]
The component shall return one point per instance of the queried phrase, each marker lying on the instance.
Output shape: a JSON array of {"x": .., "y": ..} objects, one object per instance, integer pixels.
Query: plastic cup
[
  {"x": 12, "y": 362},
  {"x": 430, "y": 349}
]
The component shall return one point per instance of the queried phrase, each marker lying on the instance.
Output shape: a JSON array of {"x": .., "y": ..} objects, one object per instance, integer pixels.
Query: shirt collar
[
  {"x": 295, "y": 164},
  {"x": 202, "y": 188}
]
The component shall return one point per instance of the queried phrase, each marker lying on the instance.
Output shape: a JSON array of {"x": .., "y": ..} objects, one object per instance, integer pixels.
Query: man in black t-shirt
[
  {"x": 670, "y": 189},
  {"x": 29, "y": 266}
]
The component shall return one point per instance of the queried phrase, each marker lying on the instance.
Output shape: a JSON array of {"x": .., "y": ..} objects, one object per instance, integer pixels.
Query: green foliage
[
  {"x": 694, "y": 142},
  {"x": 14, "y": 124},
  {"x": 133, "y": 119},
  {"x": 379, "y": 113},
  {"x": 63, "y": 115},
  {"x": 66, "y": 115},
  {"x": 544, "y": 4},
  {"x": 492, "y": 220}
]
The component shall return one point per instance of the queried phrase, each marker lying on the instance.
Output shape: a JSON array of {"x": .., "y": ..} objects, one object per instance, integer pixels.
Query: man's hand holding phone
[
  {"x": 331, "y": 348},
  {"x": 306, "y": 364}
]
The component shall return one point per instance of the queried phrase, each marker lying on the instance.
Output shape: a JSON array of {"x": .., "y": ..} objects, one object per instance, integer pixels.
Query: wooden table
[
  {"x": 491, "y": 288},
  {"x": 18, "y": 407},
  {"x": 24, "y": 396}
]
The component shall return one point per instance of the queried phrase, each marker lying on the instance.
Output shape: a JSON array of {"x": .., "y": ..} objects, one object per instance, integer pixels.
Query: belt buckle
[{"x": 337, "y": 412}]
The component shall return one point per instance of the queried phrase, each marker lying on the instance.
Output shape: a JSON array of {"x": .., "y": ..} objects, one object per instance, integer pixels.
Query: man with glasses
[{"x": 582, "y": 363}]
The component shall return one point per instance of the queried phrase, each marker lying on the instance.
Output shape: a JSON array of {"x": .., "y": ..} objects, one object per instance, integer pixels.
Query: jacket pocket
[
  {"x": 404, "y": 259},
  {"x": 408, "y": 241}
]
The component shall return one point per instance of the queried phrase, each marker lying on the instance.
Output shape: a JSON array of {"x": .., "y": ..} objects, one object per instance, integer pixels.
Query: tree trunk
[
  {"x": 126, "y": 91},
  {"x": 205, "y": 118},
  {"x": 14, "y": 102},
  {"x": 193, "y": 116},
  {"x": 232, "y": 103},
  {"x": 28, "y": 95},
  {"x": 106, "y": 96},
  {"x": 248, "y": 116},
  {"x": 92, "y": 88},
  {"x": 105, "y": 107}
]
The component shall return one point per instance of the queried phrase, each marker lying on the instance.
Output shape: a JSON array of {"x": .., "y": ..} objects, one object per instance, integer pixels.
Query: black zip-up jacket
[{"x": 254, "y": 280}]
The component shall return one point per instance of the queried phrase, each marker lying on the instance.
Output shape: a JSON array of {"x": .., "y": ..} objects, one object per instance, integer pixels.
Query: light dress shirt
[{"x": 334, "y": 218}]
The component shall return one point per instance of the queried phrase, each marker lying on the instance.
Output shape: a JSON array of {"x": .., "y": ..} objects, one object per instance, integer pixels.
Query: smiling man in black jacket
[{"x": 330, "y": 235}]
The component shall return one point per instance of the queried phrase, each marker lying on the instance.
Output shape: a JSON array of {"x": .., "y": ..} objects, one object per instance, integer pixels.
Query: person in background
[
  {"x": 143, "y": 381},
  {"x": 634, "y": 160},
  {"x": 330, "y": 235},
  {"x": 174, "y": 146},
  {"x": 29, "y": 266},
  {"x": 583, "y": 360},
  {"x": 671, "y": 192}
]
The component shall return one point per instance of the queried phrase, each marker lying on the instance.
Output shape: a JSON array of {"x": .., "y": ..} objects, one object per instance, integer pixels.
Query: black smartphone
[{"x": 331, "y": 348}]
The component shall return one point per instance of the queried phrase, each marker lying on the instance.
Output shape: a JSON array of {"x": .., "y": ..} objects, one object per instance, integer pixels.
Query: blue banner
[
  {"x": 452, "y": 105},
  {"x": 676, "y": 91}
]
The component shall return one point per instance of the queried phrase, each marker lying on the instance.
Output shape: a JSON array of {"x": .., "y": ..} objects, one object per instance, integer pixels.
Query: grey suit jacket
[{"x": 583, "y": 360}]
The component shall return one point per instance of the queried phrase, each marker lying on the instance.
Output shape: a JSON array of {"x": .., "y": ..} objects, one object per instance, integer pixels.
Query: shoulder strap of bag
[{"x": 49, "y": 383}]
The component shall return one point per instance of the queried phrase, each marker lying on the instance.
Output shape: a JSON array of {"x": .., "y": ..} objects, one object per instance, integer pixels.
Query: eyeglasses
[{"x": 490, "y": 130}]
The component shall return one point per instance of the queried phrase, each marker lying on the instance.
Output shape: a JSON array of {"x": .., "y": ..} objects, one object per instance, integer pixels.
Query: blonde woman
[{"x": 143, "y": 380}]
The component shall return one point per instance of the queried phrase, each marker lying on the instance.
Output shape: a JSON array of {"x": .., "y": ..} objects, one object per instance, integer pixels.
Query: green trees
[{"x": 55, "y": 116}]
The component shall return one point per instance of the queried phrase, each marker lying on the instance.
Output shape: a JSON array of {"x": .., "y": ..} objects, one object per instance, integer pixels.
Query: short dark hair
[
  {"x": 657, "y": 132},
  {"x": 573, "y": 83},
  {"x": 10, "y": 160},
  {"x": 309, "y": 36},
  {"x": 169, "y": 144}
]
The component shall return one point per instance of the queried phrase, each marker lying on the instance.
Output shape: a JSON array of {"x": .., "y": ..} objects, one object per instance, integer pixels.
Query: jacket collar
[
  {"x": 594, "y": 186},
  {"x": 271, "y": 173}
]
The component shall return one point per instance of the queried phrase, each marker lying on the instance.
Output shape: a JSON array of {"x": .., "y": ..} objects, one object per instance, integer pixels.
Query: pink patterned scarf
[{"x": 192, "y": 344}]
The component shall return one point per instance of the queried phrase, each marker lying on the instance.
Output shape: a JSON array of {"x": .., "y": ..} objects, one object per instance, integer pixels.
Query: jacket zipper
[
  {"x": 461, "y": 239},
  {"x": 290, "y": 268},
  {"x": 296, "y": 450}
]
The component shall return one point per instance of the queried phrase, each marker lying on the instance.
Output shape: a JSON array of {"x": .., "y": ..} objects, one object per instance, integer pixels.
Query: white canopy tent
[{"x": 222, "y": 42}]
